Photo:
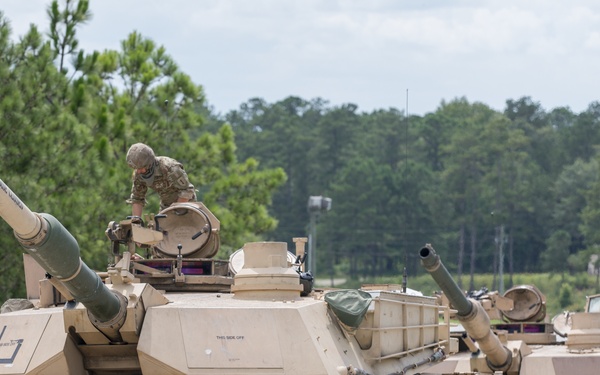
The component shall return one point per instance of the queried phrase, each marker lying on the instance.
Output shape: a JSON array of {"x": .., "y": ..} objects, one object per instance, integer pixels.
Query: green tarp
[{"x": 350, "y": 306}]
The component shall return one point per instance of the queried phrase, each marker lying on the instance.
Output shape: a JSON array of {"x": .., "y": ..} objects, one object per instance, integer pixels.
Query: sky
[{"x": 411, "y": 55}]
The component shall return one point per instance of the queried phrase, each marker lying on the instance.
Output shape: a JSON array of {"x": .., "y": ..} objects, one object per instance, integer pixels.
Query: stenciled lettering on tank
[
  {"x": 11, "y": 195},
  {"x": 5, "y": 347}
]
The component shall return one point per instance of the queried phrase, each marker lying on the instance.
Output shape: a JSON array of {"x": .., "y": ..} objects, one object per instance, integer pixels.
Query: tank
[
  {"x": 524, "y": 342},
  {"x": 167, "y": 306}
]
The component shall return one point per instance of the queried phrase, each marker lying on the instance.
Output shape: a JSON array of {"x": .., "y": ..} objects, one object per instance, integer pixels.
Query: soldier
[{"x": 162, "y": 174}]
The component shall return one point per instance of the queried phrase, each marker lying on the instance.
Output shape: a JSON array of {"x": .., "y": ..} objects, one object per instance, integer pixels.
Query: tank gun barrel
[
  {"x": 57, "y": 252},
  {"x": 469, "y": 312},
  {"x": 20, "y": 218}
]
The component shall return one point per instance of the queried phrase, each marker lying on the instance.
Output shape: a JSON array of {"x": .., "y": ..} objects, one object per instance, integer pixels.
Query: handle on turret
[
  {"x": 205, "y": 229},
  {"x": 57, "y": 252},
  {"x": 470, "y": 312}
]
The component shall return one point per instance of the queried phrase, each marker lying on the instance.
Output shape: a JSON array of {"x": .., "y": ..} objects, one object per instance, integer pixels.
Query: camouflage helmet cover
[{"x": 140, "y": 156}]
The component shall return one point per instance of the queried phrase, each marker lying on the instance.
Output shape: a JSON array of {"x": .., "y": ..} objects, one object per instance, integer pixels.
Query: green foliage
[
  {"x": 571, "y": 187},
  {"x": 63, "y": 138},
  {"x": 557, "y": 252},
  {"x": 590, "y": 214},
  {"x": 456, "y": 177},
  {"x": 63, "y": 27},
  {"x": 453, "y": 178},
  {"x": 565, "y": 296}
]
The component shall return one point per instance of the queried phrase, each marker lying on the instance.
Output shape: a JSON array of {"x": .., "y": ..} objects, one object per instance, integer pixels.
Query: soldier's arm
[
  {"x": 137, "y": 199},
  {"x": 180, "y": 180},
  {"x": 136, "y": 209}
]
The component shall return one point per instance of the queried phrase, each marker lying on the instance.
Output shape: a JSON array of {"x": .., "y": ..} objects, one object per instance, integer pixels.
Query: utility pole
[
  {"x": 316, "y": 205},
  {"x": 501, "y": 260}
]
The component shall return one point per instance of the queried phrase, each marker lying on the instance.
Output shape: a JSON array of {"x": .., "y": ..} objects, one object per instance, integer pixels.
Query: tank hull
[
  {"x": 262, "y": 323},
  {"x": 537, "y": 360},
  {"x": 195, "y": 333},
  {"x": 35, "y": 342}
]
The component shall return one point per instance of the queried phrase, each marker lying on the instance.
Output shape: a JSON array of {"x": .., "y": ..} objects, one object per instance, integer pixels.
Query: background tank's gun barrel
[
  {"x": 469, "y": 312},
  {"x": 57, "y": 252}
]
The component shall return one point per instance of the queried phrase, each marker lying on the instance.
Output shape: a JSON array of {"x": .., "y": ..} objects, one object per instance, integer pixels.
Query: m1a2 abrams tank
[
  {"x": 521, "y": 345},
  {"x": 178, "y": 311}
]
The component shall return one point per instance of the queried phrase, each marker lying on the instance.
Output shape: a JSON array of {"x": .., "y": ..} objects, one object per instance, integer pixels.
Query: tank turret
[
  {"x": 522, "y": 344},
  {"x": 175, "y": 310},
  {"x": 57, "y": 252},
  {"x": 100, "y": 324},
  {"x": 469, "y": 312}
]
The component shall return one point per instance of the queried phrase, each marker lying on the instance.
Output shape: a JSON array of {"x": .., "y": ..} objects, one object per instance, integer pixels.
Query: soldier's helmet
[{"x": 140, "y": 156}]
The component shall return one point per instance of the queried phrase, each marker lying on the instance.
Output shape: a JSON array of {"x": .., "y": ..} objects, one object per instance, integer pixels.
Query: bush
[{"x": 565, "y": 295}]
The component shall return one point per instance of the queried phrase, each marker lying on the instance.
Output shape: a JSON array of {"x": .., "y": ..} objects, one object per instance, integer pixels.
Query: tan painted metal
[
  {"x": 182, "y": 222},
  {"x": 266, "y": 273},
  {"x": 24, "y": 222},
  {"x": 193, "y": 315},
  {"x": 220, "y": 334},
  {"x": 146, "y": 236},
  {"x": 35, "y": 342}
]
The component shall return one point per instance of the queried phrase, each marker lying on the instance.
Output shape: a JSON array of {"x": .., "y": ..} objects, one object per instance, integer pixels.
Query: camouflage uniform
[{"x": 170, "y": 182}]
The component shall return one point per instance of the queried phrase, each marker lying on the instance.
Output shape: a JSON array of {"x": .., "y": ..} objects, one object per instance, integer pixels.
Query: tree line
[
  {"x": 516, "y": 188},
  {"x": 475, "y": 182}
]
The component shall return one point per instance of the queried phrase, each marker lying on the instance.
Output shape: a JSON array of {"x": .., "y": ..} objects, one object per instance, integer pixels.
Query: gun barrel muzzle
[
  {"x": 469, "y": 312},
  {"x": 432, "y": 263},
  {"x": 25, "y": 223}
]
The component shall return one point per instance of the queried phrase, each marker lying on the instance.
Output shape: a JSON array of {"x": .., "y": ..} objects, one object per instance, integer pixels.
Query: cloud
[{"x": 363, "y": 52}]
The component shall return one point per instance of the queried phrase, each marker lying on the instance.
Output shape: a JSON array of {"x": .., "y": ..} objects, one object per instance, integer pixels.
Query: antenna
[
  {"x": 406, "y": 135},
  {"x": 405, "y": 235}
]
